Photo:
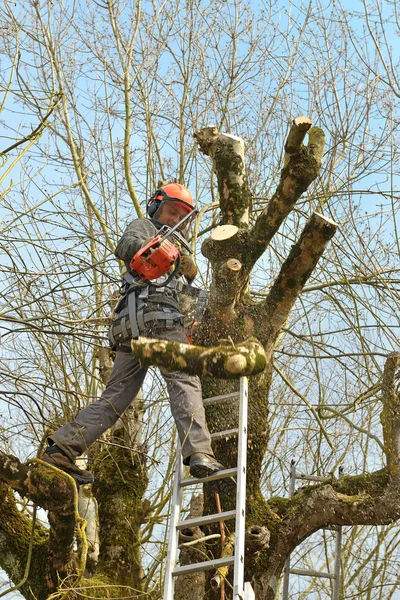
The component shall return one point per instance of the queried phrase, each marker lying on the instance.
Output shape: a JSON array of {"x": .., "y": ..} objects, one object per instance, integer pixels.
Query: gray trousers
[{"x": 127, "y": 377}]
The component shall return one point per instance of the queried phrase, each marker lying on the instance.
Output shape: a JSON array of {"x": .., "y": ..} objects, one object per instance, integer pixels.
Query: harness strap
[
  {"x": 140, "y": 319},
  {"x": 133, "y": 315},
  {"x": 157, "y": 315}
]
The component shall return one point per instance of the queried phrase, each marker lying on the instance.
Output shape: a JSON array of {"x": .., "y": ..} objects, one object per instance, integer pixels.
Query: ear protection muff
[{"x": 154, "y": 203}]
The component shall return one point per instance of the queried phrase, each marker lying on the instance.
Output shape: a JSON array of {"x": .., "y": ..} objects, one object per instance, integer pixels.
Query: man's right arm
[{"x": 133, "y": 237}]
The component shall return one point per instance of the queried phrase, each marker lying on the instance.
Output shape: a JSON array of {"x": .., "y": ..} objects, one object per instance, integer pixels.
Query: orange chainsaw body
[{"x": 155, "y": 259}]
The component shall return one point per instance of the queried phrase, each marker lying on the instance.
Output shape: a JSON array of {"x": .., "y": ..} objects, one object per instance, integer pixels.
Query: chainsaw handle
[{"x": 171, "y": 275}]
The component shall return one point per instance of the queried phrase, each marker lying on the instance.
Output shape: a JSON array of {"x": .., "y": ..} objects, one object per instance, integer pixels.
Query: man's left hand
[{"x": 187, "y": 267}]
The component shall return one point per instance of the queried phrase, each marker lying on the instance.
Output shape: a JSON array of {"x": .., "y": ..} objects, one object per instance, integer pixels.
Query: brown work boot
[
  {"x": 202, "y": 465},
  {"x": 57, "y": 458}
]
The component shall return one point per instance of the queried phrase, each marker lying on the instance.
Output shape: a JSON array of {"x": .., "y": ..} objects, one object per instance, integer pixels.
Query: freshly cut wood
[
  {"x": 297, "y": 133},
  {"x": 233, "y": 264},
  {"x": 222, "y": 243},
  {"x": 224, "y": 232}
]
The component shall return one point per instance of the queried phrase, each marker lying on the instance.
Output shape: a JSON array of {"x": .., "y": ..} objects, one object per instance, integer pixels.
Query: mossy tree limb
[
  {"x": 368, "y": 499},
  {"x": 54, "y": 491},
  {"x": 15, "y": 538},
  {"x": 294, "y": 273},
  {"x": 227, "y": 154},
  {"x": 390, "y": 416},
  {"x": 360, "y": 500},
  {"x": 120, "y": 482},
  {"x": 228, "y": 362},
  {"x": 297, "y": 175}
]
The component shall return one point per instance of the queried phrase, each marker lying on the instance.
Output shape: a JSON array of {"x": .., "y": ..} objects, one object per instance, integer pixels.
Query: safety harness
[{"x": 142, "y": 303}]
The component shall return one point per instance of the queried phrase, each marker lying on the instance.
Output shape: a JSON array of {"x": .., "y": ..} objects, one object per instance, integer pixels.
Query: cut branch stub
[
  {"x": 297, "y": 133},
  {"x": 226, "y": 362},
  {"x": 227, "y": 153},
  {"x": 256, "y": 539},
  {"x": 223, "y": 242},
  {"x": 224, "y": 248}
]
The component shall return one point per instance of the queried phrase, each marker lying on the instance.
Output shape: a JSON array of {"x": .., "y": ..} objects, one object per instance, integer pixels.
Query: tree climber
[{"x": 149, "y": 309}]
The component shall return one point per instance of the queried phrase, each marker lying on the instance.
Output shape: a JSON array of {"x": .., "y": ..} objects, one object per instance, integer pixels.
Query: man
[{"x": 149, "y": 310}]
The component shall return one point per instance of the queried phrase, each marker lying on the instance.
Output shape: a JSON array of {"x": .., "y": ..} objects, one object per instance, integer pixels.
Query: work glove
[{"x": 187, "y": 267}]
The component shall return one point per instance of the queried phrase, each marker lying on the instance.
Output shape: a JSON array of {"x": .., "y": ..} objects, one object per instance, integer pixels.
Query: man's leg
[
  {"x": 188, "y": 411},
  {"x": 76, "y": 437}
]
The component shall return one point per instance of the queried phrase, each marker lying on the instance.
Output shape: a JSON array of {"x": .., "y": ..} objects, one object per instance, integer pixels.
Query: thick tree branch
[
  {"x": 294, "y": 273},
  {"x": 390, "y": 416},
  {"x": 227, "y": 362},
  {"x": 299, "y": 172},
  {"x": 47, "y": 487},
  {"x": 15, "y": 538},
  {"x": 120, "y": 483},
  {"x": 224, "y": 249},
  {"x": 56, "y": 492},
  {"x": 227, "y": 154}
]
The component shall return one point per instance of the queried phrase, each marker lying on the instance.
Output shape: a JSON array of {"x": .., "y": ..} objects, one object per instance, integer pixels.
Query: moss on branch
[{"x": 227, "y": 362}]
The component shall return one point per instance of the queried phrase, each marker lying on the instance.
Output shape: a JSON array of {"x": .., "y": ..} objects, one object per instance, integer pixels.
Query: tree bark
[
  {"x": 55, "y": 492},
  {"x": 192, "y": 550},
  {"x": 227, "y": 154},
  {"x": 297, "y": 175},
  {"x": 294, "y": 273},
  {"x": 228, "y": 362}
]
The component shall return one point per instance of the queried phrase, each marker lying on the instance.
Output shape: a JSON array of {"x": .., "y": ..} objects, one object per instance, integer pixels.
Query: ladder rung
[
  {"x": 220, "y": 399},
  {"x": 312, "y": 573},
  {"x": 204, "y": 566},
  {"x": 217, "y": 475},
  {"x": 223, "y": 516},
  {"x": 312, "y": 477},
  {"x": 220, "y": 435}
]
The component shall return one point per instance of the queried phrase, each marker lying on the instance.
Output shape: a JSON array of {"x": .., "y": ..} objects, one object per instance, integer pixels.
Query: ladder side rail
[
  {"x": 173, "y": 533},
  {"x": 336, "y": 580},
  {"x": 292, "y": 485},
  {"x": 240, "y": 526},
  {"x": 338, "y": 550}
]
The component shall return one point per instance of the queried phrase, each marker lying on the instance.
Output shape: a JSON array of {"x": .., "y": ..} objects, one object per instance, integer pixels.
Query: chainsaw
[{"x": 162, "y": 254}]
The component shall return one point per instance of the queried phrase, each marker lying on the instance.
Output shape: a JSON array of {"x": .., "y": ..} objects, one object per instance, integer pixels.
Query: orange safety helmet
[{"x": 172, "y": 192}]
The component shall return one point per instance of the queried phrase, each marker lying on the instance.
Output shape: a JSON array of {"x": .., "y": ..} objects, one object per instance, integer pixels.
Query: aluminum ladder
[
  {"x": 241, "y": 590},
  {"x": 335, "y": 576}
]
